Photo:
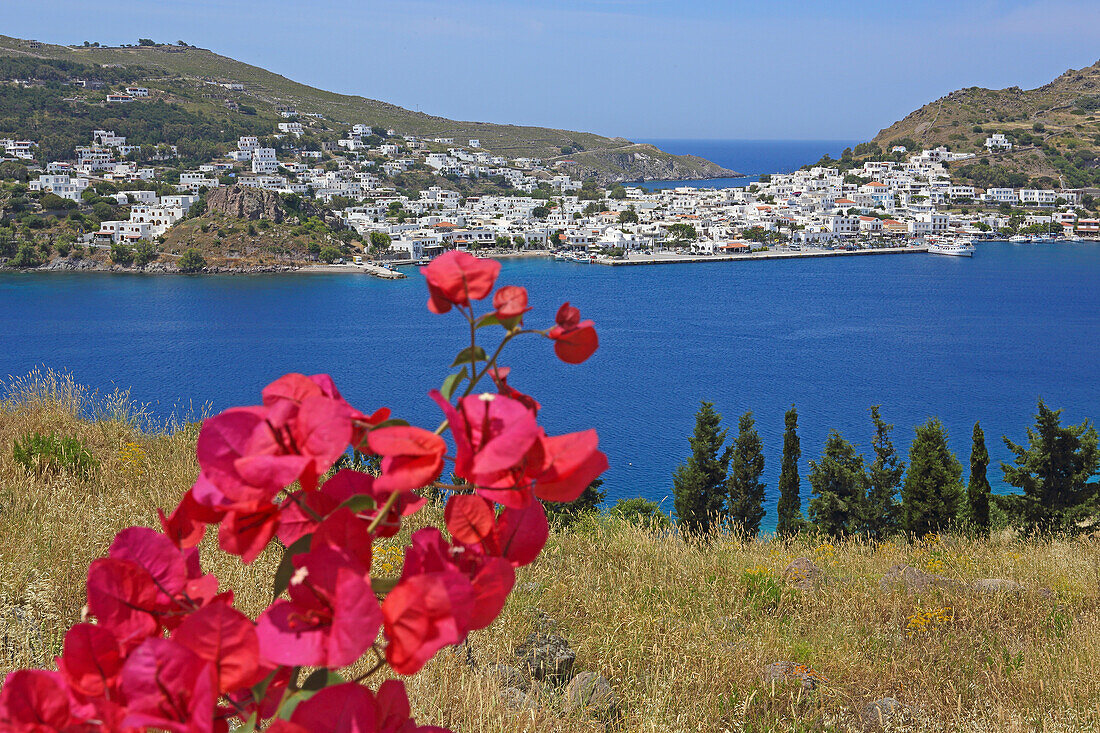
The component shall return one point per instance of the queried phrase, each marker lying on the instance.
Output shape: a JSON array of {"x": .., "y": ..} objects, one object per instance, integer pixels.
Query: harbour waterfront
[{"x": 964, "y": 339}]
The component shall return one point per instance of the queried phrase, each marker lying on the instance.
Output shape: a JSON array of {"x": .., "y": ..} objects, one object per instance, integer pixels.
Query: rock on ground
[
  {"x": 546, "y": 657},
  {"x": 802, "y": 573},
  {"x": 590, "y": 693},
  {"x": 792, "y": 672},
  {"x": 914, "y": 580},
  {"x": 882, "y": 711},
  {"x": 997, "y": 585},
  {"x": 508, "y": 676}
]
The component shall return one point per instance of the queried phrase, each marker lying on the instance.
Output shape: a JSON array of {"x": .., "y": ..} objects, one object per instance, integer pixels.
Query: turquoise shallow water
[{"x": 964, "y": 339}]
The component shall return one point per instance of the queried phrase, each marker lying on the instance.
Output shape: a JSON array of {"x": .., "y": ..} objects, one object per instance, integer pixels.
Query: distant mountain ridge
[
  {"x": 1055, "y": 129},
  {"x": 606, "y": 159}
]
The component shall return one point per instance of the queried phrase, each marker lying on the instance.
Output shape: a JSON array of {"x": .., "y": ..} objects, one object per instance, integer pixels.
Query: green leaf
[
  {"x": 286, "y": 565},
  {"x": 322, "y": 678},
  {"x": 359, "y": 503},
  {"x": 382, "y": 586},
  {"x": 289, "y": 703},
  {"x": 248, "y": 727},
  {"x": 450, "y": 384},
  {"x": 489, "y": 319},
  {"x": 470, "y": 355},
  {"x": 392, "y": 422}
]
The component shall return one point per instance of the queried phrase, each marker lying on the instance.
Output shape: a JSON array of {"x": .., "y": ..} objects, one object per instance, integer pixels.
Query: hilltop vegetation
[
  {"x": 1055, "y": 129},
  {"x": 682, "y": 628},
  {"x": 193, "y": 80}
]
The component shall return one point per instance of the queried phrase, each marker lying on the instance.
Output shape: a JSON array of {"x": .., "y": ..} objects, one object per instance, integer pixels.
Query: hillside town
[{"x": 884, "y": 203}]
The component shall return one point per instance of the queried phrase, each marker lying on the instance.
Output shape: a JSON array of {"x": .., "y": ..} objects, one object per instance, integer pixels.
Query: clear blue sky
[{"x": 765, "y": 69}]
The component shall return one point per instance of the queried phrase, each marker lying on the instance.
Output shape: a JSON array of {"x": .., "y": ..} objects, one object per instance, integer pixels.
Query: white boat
[
  {"x": 952, "y": 247},
  {"x": 1018, "y": 239}
]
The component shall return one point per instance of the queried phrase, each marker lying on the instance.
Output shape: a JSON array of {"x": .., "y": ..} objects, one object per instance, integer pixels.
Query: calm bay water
[
  {"x": 753, "y": 157},
  {"x": 921, "y": 335}
]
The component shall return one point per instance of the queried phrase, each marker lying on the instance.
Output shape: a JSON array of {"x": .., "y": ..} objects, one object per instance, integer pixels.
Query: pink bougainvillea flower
[
  {"x": 250, "y": 453},
  {"x": 567, "y": 465},
  {"x": 574, "y": 340},
  {"x": 430, "y": 607},
  {"x": 522, "y": 533},
  {"x": 186, "y": 525},
  {"x": 168, "y": 686},
  {"x": 300, "y": 517},
  {"x": 156, "y": 554},
  {"x": 37, "y": 701},
  {"x": 352, "y": 708},
  {"x": 223, "y": 636},
  {"x": 90, "y": 660},
  {"x": 423, "y": 614},
  {"x": 456, "y": 278},
  {"x": 411, "y": 457},
  {"x": 510, "y": 302},
  {"x": 332, "y": 616},
  {"x": 500, "y": 379},
  {"x": 122, "y": 596},
  {"x": 492, "y": 436},
  {"x": 296, "y": 388},
  {"x": 248, "y": 529}
]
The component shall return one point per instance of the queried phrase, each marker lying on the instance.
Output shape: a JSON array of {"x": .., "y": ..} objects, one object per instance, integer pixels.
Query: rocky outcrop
[
  {"x": 546, "y": 657},
  {"x": 246, "y": 203},
  {"x": 639, "y": 163}
]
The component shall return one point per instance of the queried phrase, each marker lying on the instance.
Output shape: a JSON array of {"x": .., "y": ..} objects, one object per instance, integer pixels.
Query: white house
[
  {"x": 64, "y": 186},
  {"x": 194, "y": 180},
  {"x": 1037, "y": 197},
  {"x": 137, "y": 91},
  {"x": 20, "y": 148},
  {"x": 264, "y": 161},
  {"x": 998, "y": 141},
  {"x": 1001, "y": 195},
  {"x": 248, "y": 143},
  {"x": 291, "y": 128}
]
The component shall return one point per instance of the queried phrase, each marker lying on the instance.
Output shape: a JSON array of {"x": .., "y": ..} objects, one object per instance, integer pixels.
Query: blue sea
[
  {"x": 963, "y": 339},
  {"x": 749, "y": 157}
]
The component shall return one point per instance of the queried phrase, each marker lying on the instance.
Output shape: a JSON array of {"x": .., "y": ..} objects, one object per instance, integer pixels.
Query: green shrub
[
  {"x": 39, "y": 453},
  {"x": 192, "y": 261},
  {"x": 762, "y": 590},
  {"x": 122, "y": 254},
  {"x": 641, "y": 512}
]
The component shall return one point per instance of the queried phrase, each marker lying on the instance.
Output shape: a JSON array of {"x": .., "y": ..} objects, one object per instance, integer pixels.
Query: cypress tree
[
  {"x": 977, "y": 489},
  {"x": 931, "y": 496},
  {"x": 698, "y": 484},
  {"x": 839, "y": 489},
  {"x": 1054, "y": 471},
  {"x": 883, "y": 481},
  {"x": 789, "y": 507},
  {"x": 744, "y": 490}
]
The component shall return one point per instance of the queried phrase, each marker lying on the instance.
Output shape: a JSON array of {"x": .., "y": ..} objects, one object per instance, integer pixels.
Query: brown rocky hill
[
  {"x": 1055, "y": 127},
  {"x": 246, "y": 203}
]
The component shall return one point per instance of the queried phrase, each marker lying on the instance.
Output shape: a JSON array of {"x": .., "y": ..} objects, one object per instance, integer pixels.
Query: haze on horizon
[{"x": 786, "y": 69}]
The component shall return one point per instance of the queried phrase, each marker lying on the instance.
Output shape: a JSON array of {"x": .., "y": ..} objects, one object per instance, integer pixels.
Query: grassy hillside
[
  {"x": 683, "y": 630},
  {"x": 1055, "y": 127},
  {"x": 189, "y": 76}
]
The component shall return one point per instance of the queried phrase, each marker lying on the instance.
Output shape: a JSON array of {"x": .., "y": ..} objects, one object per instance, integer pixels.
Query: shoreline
[{"x": 673, "y": 259}]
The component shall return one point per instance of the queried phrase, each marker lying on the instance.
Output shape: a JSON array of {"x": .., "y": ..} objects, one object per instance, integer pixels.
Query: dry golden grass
[{"x": 682, "y": 629}]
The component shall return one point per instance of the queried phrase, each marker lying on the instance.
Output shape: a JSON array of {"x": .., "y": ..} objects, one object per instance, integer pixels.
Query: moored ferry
[{"x": 951, "y": 247}]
